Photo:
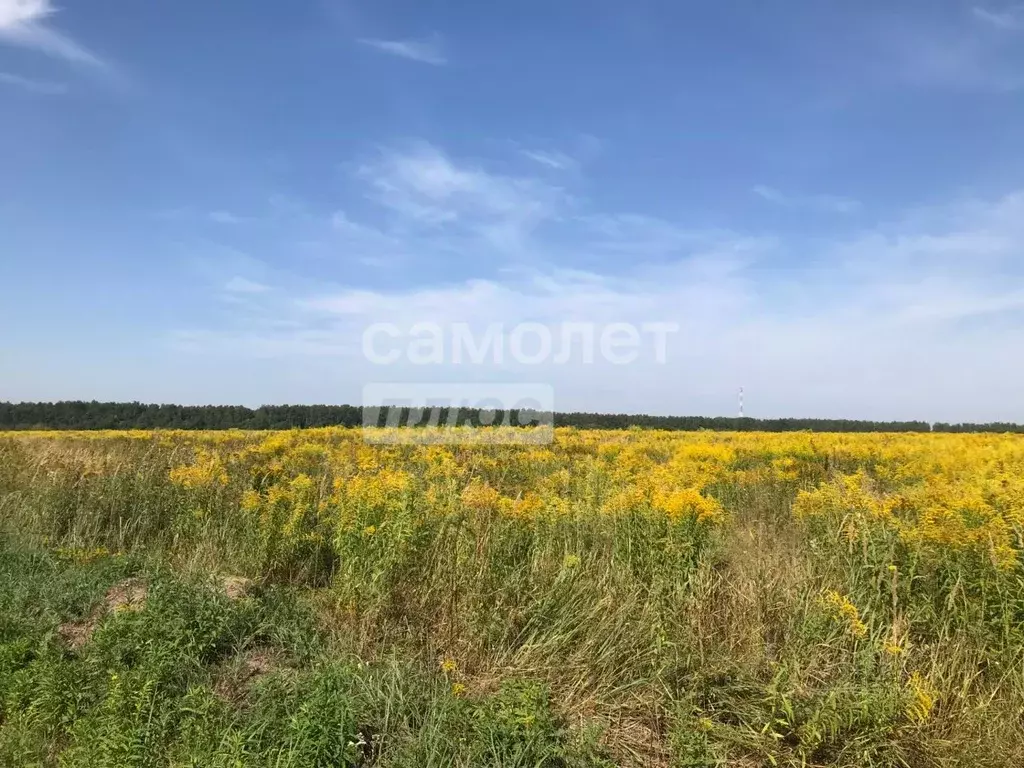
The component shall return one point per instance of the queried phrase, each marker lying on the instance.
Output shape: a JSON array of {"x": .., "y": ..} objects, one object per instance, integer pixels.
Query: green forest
[{"x": 96, "y": 415}]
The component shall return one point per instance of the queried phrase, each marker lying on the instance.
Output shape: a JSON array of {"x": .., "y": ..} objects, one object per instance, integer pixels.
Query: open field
[{"x": 630, "y": 597}]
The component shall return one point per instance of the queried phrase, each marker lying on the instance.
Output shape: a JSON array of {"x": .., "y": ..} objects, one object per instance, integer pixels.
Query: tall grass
[{"x": 624, "y": 598}]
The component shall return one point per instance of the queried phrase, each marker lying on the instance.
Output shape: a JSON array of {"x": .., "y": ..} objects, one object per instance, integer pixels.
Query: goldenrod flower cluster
[
  {"x": 938, "y": 495},
  {"x": 922, "y": 698},
  {"x": 844, "y": 610},
  {"x": 206, "y": 470}
]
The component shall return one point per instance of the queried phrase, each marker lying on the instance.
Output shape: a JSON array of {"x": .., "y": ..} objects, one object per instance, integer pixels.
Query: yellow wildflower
[
  {"x": 922, "y": 698},
  {"x": 892, "y": 648},
  {"x": 842, "y": 608}
]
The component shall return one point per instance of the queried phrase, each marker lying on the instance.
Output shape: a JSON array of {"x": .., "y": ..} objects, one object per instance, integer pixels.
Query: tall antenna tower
[{"x": 741, "y": 402}]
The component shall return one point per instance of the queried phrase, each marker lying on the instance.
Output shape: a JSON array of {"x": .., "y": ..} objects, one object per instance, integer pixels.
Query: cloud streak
[
  {"x": 226, "y": 217},
  {"x": 244, "y": 285},
  {"x": 1011, "y": 18},
  {"x": 935, "y": 52},
  {"x": 424, "y": 51},
  {"x": 42, "y": 87},
  {"x": 825, "y": 203},
  {"x": 556, "y": 160},
  {"x": 25, "y": 23}
]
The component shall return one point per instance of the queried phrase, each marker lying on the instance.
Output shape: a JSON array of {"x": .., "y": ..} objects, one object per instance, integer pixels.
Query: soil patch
[{"x": 128, "y": 595}]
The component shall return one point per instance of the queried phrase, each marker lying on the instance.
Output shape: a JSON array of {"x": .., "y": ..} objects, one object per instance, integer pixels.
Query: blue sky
[{"x": 209, "y": 202}]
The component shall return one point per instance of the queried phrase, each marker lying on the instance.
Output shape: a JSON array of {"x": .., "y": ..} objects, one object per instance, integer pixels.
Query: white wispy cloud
[
  {"x": 552, "y": 159},
  {"x": 827, "y": 203},
  {"x": 26, "y": 23},
  {"x": 1011, "y": 17},
  {"x": 43, "y": 87},
  {"x": 226, "y": 217},
  {"x": 364, "y": 244},
  {"x": 13, "y": 12},
  {"x": 929, "y": 302},
  {"x": 429, "y": 51},
  {"x": 935, "y": 51},
  {"x": 424, "y": 187},
  {"x": 244, "y": 285}
]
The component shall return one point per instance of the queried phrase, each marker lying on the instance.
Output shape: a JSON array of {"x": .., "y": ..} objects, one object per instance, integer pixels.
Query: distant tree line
[
  {"x": 997, "y": 426},
  {"x": 96, "y": 415},
  {"x": 725, "y": 423},
  {"x": 79, "y": 414}
]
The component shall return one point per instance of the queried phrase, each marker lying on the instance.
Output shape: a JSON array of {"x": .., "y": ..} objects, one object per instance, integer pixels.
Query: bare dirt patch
[
  {"x": 237, "y": 676},
  {"x": 236, "y": 587},
  {"x": 75, "y": 634},
  {"x": 128, "y": 595}
]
